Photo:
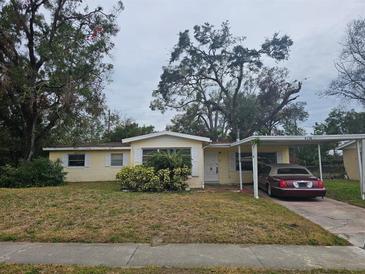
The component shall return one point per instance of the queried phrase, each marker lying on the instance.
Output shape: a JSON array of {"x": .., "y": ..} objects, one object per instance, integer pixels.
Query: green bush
[
  {"x": 175, "y": 179},
  {"x": 138, "y": 178},
  {"x": 37, "y": 173},
  {"x": 147, "y": 179},
  {"x": 170, "y": 160}
]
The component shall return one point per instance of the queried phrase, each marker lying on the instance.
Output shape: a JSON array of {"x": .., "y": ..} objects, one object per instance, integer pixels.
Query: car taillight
[
  {"x": 320, "y": 184},
  {"x": 282, "y": 184}
]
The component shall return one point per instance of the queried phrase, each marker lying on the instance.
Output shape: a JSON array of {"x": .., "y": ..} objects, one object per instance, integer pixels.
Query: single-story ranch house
[
  {"x": 212, "y": 163},
  {"x": 223, "y": 163}
]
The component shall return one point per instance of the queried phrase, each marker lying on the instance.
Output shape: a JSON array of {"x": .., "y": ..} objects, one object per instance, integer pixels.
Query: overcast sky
[{"x": 149, "y": 30}]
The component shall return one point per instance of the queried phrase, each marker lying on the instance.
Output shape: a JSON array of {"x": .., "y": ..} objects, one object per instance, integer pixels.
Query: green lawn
[
  {"x": 345, "y": 190},
  {"x": 99, "y": 212},
  {"x": 38, "y": 269}
]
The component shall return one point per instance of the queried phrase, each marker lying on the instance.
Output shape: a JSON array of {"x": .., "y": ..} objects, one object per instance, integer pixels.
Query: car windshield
[{"x": 292, "y": 170}]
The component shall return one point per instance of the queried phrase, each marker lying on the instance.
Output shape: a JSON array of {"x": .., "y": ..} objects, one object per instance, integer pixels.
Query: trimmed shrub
[
  {"x": 37, "y": 173},
  {"x": 138, "y": 178},
  {"x": 174, "y": 180},
  {"x": 146, "y": 179}
]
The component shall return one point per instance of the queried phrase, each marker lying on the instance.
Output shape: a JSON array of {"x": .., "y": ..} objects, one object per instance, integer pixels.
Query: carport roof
[{"x": 298, "y": 140}]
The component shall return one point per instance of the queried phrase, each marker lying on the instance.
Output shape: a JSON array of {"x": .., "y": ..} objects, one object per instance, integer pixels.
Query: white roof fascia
[
  {"x": 303, "y": 138},
  {"x": 84, "y": 148},
  {"x": 220, "y": 145},
  {"x": 345, "y": 145},
  {"x": 168, "y": 133}
]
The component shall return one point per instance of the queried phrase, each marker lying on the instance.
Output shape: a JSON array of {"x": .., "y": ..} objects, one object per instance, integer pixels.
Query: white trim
[
  {"x": 195, "y": 165},
  {"x": 222, "y": 145},
  {"x": 126, "y": 159},
  {"x": 255, "y": 170},
  {"x": 108, "y": 159},
  {"x": 359, "y": 162},
  {"x": 84, "y": 148},
  {"x": 320, "y": 162},
  {"x": 166, "y": 133},
  {"x": 347, "y": 144},
  {"x": 240, "y": 167},
  {"x": 64, "y": 160},
  {"x": 87, "y": 160},
  {"x": 279, "y": 157},
  {"x": 138, "y": 156},
  {"x": 308, "y": 139},
  {"x": 363, "y": 169}
]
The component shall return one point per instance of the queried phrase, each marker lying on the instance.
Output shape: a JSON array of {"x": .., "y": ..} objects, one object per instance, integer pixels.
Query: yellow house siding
[
  {"x": 196, "y": 181},
  {"x": 351, "y": 163},
  {"x": 95, "y": 171},
  {"x": 226, "y": 169}
]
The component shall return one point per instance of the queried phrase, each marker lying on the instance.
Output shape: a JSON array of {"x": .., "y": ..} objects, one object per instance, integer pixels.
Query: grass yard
[
  {"x": 346, "y": 191},
  {"x": 40, "y": 269},
  {"x": 99, "y": 212}
]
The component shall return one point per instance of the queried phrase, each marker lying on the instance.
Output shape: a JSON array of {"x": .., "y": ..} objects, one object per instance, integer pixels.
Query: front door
[{"x": 211, "y": 167}]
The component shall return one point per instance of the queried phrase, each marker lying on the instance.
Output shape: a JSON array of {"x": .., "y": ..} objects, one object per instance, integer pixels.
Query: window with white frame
[
  {"x": 76, "y": 160},
  {"x": 184, "y": 152},
  {"x": 116, "y": 159}
]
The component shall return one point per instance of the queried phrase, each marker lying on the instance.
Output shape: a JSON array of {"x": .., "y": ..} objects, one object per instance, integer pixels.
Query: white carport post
[
  {"x": 363, "y": 169},
  {"x": 320, "y": 162},
  {"x": 254, "y": 171},
  {"x": 360, "y": 145},
  {"x": 240, "y": 166}
]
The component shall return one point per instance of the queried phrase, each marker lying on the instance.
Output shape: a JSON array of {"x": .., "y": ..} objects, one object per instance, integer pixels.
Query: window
[
  {"x": 246, "y": 159},
  {"x": 116, "y": 159},
  {"x": 292, "y": 171},
  {"x": 76, "y": 160},
  {"x": 147, "y": 153},
  {"x": 185, "y": 153}
]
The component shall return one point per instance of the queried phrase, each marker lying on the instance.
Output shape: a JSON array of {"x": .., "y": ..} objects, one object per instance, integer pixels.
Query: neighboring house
[
  {"x": 211, "y": 162},
  {"x": 350, "y": 160}
]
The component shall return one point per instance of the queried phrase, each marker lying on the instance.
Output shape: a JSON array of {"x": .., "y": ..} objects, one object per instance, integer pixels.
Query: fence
[{"x": 329, "y": 171}]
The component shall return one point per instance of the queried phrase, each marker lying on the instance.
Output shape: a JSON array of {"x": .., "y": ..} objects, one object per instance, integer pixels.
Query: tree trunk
[{"x": 31, "y": 140}]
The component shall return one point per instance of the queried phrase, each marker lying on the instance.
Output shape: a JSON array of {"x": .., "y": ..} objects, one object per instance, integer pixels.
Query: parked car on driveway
[{"x": 288, "y": 180}]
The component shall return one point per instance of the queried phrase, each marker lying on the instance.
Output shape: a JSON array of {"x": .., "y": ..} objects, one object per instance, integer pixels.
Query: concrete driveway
[{"x": 339, "y": 218}]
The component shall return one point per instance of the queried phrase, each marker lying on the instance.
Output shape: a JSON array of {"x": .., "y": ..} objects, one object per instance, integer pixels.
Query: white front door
[{"x": 211, "y": 167}]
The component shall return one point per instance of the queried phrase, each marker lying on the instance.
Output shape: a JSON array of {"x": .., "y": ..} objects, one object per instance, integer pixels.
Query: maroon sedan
[{"x": 287, "y": 180}]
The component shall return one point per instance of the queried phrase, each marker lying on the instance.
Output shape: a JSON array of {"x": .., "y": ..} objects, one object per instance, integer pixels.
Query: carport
[{"x": 256, "y": 141}]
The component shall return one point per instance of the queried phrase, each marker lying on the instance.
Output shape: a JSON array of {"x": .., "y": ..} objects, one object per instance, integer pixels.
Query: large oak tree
[
  {"x": 53, "y": 66},
  {"x": 213, "y": 78}
]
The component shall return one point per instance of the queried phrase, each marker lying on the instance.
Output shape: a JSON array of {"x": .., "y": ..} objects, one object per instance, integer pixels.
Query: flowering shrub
[{"x": 147, "y": 179}]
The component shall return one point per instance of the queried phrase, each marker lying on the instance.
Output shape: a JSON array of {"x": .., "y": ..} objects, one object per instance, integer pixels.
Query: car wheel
[{"x": 269, "y": 190}]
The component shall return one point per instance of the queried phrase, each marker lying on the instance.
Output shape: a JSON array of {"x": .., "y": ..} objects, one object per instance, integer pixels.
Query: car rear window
[{"x": 292, "y": 171}]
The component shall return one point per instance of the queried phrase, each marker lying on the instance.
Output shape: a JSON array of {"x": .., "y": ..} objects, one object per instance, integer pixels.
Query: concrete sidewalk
[
  {"x": 339, "y": 218},
  {"x": 185, "y": 255}
]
